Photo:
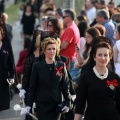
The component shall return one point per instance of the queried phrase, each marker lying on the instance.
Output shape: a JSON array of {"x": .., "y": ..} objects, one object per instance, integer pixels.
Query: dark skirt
[
  {"x": 47, "y": 110},
  {"x": 102, "y": 113}
]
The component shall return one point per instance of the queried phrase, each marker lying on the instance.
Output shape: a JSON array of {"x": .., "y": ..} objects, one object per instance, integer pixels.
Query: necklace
[
  {"x": 50, "y": 66},
  {"x": 98, "y": 75}
]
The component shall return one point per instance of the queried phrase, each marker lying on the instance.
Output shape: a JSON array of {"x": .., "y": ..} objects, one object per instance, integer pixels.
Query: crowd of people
[{"x": 69, "y": 66}]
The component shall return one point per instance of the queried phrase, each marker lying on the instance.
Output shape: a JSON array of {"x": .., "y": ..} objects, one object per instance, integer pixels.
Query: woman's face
[
  {"x": 28, "y": 9},
  {"x": 50, "y": 51},
  {"x": 88, "y": 38},
  {"x": 117, "y": 35},
  {"x": 44, "y": 25},
  {"x": 50, "y": 26},
  {"x": 102, "y": 57}
]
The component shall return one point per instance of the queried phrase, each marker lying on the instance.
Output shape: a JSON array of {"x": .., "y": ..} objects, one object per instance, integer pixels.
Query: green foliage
[{"x": 12, "y": 12}]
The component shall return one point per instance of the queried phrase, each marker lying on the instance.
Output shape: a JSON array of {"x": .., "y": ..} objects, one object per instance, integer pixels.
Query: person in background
[
  {"x": 8, "y": 27},
  {"x": 100, "y": 4},
  {"x": 49, "y": 12},
  {"x": 55, "y": 27},
  {"x": 28, "y": 27},
  {"x": 116, "y": 50},
  {"x": 111, "y": 8},
  {"x": 33, "y": 4},
  {"x": 59, "y": 14},
  {"x": 116, "y": 17},
  {"x": 82, "y": 26},
  {"x": 38, "y": 5},
  {"x": 20, "y": 15},
  {"x": 2, "y": 5},
  {"x": 44, "y": 23},
  {"x": 6, "y": 72},
  {"x": 81, "y": 18},
  {"x": 21, "y": 11},
  {"x": 100, "y": 88},
  {"x": 22, "y": 58},
  {"x": 69, "y": 37},
  {"x": 101, "y": 29},
  {"x": 90, "y": 11},
  {"x": 33, "y": 56},
  {"x": 9, "y": 48},
  {"x": 83, "y": 59},
  {"x": 103, "y": 18}
]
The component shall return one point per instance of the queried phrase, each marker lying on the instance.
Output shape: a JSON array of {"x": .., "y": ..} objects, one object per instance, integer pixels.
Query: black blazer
[{"x": 41, "y": 87}]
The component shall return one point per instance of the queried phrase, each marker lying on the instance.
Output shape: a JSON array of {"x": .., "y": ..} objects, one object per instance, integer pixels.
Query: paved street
[{"x": 17, "y": 44}]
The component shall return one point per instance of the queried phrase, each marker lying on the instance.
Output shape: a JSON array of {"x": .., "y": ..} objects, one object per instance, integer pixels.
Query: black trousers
[{"x": 47, "y": 110}]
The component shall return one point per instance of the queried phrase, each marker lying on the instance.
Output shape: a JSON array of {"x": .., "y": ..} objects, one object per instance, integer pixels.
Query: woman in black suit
[
  {"x": 49, "y": 84},
  {"x": 6, "y": 72}
]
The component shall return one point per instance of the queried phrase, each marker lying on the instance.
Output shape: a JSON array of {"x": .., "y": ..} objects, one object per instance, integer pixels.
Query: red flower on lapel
[
  {"x": 59, "y": 71},
  {"x": 112, "y": 84}
]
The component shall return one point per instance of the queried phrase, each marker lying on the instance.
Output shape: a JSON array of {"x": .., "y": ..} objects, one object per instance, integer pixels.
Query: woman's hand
[
  {"x": 10, "y": 81},
  {"x": 76, "y": 65},
  {"x": 65, "y": 109},
  {"x": 25, "y": 110}
]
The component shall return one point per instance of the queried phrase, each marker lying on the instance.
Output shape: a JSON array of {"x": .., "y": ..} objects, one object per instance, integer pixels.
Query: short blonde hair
[{"x": 48, "y": 41}]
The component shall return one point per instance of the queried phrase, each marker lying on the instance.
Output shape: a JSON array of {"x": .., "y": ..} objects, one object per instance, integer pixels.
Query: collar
[
  {"x": 70, "y": 24},
  {"x": 106, "y": 21}
]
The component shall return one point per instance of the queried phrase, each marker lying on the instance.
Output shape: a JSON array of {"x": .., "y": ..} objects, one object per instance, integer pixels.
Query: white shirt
[{"x": 91, "y": 14}]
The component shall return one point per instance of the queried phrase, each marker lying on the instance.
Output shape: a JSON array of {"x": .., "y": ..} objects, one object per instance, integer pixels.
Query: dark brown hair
[
  {"x": 94, "y": 32},
  {"x": 101, "y": 28},
  {"x": 82, "y": 26},
  {"x": 57, "y": 26},
  {"x": 82, "y": 18},
  {"x": 102, "y": 45}
]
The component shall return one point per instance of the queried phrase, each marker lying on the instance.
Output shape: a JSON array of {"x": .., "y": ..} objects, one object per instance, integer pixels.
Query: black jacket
[{"x": 41, "y": 87}]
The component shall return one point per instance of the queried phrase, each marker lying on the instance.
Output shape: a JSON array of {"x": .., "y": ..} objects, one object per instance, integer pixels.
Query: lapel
[
  {"x": 55, "y": 67},
  {"x": 56, "y": 78},
  {"x": 47, "y": 78},
  {"x": 46, "y": 74}
]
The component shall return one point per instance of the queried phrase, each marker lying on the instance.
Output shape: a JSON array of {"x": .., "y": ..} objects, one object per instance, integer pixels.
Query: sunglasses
[
  {"x": 49, "y": 25},
  {"x": 65, "y": 16}
]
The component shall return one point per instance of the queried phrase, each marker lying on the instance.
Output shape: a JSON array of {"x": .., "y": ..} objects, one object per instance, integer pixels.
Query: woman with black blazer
[{"x": 49, "y": 84}]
